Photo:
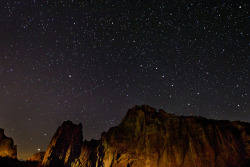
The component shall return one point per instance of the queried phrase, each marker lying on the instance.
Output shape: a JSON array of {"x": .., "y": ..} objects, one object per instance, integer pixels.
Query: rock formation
[
  {"x": 7, "y": 147},
  {"x": 37, "y": 157},
  {"x": 89, "y": 156},
  {"x": 147, "y": 138},
  {"x": 65, "y": 145}
]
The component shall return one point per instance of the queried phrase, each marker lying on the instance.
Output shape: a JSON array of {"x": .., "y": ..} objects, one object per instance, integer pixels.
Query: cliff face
[
  {"x": 7, "y": 147},
  {"x": 65, "y": 145},
  {"x": 89, "y": 156},
  {"x": 149, "y": 138}
]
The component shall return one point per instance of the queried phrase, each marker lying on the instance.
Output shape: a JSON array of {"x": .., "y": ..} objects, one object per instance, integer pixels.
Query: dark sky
[{"x": 89, "y": 61}]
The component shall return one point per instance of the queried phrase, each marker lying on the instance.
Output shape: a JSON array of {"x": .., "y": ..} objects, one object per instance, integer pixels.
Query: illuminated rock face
[
  {"x": 38, "y": 157},
  {"x": 89, "y": 156},
  {"x": 7, "y": 147},
  {"x": 147, "y": 138},
  {"x": 65, "y": 145}
]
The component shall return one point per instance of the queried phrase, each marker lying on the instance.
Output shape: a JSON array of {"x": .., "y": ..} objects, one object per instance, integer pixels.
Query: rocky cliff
[
  {"x": 65, "y": 145},
  {"x": 7, "y": 147},
  {"x": 149, "y": 138}
]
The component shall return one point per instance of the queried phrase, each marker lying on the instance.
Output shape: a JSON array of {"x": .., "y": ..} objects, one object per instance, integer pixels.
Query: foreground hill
[{"x": 147, "y": 138}]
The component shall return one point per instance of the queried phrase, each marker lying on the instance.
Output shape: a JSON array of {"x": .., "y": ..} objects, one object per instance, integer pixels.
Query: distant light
[{"x": 38, "y": 149}]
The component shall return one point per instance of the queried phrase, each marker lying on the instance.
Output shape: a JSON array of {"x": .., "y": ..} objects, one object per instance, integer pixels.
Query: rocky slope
[
  {"x": 37, "y": 157},
  {"x": 149, "y": 138},
  {"x": 7, "y": 147}
]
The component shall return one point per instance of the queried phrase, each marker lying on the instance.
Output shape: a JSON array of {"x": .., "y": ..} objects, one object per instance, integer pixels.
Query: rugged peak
[
  {"x": 145, "y": 113},
  {"x": 144, "y": 108},
  {"x": 7, "y": 147},
  {"x": 148, "y": 110},
  {"x": 138, "y": 112},
  {"x": 70, "y": 124},
  {"x": 65, "y": 145}
]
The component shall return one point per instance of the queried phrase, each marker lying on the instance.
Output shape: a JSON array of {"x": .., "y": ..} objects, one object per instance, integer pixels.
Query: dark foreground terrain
[{"x": 10, "y": 162}]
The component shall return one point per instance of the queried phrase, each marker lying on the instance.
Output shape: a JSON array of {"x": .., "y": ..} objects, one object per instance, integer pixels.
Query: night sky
[{"x": 89, "y": 61}]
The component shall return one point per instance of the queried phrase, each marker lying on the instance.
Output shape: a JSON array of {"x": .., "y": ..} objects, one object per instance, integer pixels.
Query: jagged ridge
[{"x": 146, "y": 137}]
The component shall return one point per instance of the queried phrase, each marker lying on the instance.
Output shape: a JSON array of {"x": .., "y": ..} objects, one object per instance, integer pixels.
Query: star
[{"x": 90, "y": 62}]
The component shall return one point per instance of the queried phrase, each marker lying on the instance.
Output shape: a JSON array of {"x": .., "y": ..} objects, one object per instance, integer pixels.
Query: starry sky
[{"x": 89, "y": 61}]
